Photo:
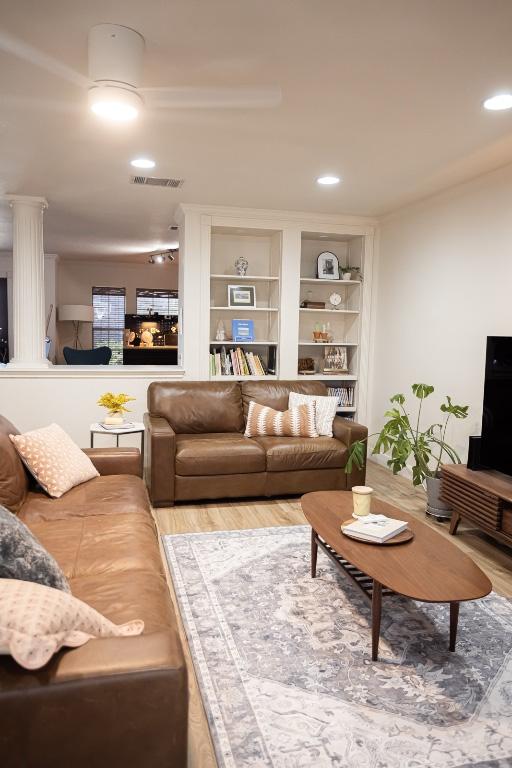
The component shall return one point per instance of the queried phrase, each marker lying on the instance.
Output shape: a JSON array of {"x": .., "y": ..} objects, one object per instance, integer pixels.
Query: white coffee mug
[{"x": 362, "y": 499}]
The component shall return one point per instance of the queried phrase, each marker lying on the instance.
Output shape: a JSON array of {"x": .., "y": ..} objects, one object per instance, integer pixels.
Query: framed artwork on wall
[
  {"x": 242, "y": 296},
  {"x": 328, "y": 267}
]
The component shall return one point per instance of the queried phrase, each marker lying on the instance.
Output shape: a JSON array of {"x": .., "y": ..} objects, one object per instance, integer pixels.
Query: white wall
[
  {"x": 76, "y": 278},
  {"x": 444, "y": 285}
]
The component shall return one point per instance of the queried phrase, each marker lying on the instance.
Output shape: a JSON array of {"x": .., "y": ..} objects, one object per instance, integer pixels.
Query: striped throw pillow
[
  {"x": 263, "y": 421},
  {"x": 326, "y": 408}
]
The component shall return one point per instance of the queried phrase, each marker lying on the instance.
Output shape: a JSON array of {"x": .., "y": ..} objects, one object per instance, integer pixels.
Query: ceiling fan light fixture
[
  {"x": 117, "y": 105},
  {"x": 498, "y": 102}
]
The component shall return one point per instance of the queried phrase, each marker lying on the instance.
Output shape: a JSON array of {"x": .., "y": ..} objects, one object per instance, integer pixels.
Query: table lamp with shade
[{"x": 76, "y": 314}]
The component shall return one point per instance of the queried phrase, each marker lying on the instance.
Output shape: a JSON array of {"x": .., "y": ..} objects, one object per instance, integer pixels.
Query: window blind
[
  {"x": 108, "y": 322},
  {"x": 165, "y": 302}
]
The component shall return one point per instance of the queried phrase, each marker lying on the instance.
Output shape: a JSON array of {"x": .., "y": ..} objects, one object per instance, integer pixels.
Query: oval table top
[{"x": 429, "y": 567}]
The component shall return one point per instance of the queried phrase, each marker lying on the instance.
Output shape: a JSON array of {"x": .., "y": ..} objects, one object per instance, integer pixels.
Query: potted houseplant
[
  {"x": 116, "y": 407},
  {"x": 407, "y": 442},
  {"x": 346, "y": 272}
]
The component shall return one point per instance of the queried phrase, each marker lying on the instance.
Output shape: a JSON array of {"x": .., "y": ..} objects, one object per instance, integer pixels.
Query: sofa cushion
[
  {"x": 197, "y": 407},
  {"x": 218, "y": 454},
  {"x": 296, "y": 422},
  {"x": 13, "y": 475},
  {"x": 54, "y": 459},
  {"x": 101, "y": 545},
  {"x": 23, "y": 557},
  {"x": 276, "y": 394},
  {"x": 294, "y": 453},
  {"x": 37, "y": 621},
  {"x": 103, "y": 495}
]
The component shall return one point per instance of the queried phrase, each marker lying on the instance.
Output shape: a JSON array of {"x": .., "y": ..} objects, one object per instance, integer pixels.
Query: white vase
[
  {"x": 113, "y": 419},
  {"x": 346, "y": 275}
]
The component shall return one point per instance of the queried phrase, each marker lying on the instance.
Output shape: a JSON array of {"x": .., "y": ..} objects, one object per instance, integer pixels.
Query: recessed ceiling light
[
  {"x": 142, "y": 162},
  {"x": 499, "y": 102},
  {"x": 118, "y": 105},
  {"x": 328, "y": 180}
]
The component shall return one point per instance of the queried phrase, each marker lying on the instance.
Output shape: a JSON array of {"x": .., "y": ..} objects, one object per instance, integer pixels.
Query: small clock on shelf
[{"x": 335, "y": 300}]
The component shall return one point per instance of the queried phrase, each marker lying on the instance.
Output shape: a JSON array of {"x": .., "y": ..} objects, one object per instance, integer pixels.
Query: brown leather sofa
[
  {"x": 114, "y": 702},
  {"x": 196, "y": 448}
]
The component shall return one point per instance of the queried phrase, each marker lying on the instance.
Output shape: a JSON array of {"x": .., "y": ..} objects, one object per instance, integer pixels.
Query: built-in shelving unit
[
  {"x": 262, "y": 250},
  {"x": 281, "y": 249}
]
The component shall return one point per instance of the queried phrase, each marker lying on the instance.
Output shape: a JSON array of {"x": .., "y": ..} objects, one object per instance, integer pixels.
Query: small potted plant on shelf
[
  {"x": 408, "y": 444},
  {"x": 116, "y": 407},
  {"x": 347, "y": 272}
]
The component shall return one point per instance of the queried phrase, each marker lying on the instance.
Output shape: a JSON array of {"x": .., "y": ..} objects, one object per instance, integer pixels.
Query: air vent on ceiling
[{"x": 154, "y": 181}]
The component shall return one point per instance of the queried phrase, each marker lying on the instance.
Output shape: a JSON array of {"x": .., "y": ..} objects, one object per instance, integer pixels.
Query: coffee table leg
[
  {"x": 376, "y": 614},
  {"x": 314, "y": 553},
  {"x": 454, "y": 620},
  {"x": 454, "y": 522}
]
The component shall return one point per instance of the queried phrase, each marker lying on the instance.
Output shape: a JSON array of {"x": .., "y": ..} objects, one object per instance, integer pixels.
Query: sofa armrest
[
  {"x": 113, "y": 702},
  {"x": 348, "y": 432},
  {"x": 116, "y": 461},
  {"x": 160, "y": 460}
]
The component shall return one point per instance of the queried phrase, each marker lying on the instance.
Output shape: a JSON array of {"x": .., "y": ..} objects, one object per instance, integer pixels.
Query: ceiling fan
[{"x": 114, "y": 91}]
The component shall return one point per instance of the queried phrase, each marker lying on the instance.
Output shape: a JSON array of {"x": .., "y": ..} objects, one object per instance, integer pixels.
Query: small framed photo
[
  {"x": 242, "y": 296},
  {"x": 328, "y": 267},
  {"x": 242, "y": 330}
]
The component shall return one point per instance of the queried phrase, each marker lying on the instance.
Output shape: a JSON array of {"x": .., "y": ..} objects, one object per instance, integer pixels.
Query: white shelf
[
  {"x": 332, "y": 311},
  {"x": 319, "y": 281},
  {"x": 244, "y": 309},
  {"x": 243, "y": 378},
  {"x": 328, "y": 344},
  {"x": 232, "y": 343},
  {"x": 328, "y": 377},
  {"x": 248, "y": 278}
]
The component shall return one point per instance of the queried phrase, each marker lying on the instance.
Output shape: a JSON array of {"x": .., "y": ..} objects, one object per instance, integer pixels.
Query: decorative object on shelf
[
  {"x": 345, "y": 396},
  {"x": 335, "y": 360},
  {"x": 362, "y": 500},
  {"x": 328, "y": 266},
  {"x": 346, "y": 272},
  {"x": 242, "y": 296},
  {"x": 220, "y": 333},
  {"x": 115, "y": 405},
  {"x": 242, "y": 330},
  {"x": 306, "y": 366},
  {"x": 335, "y": 300},
  {"x": 241, "y": 266},
  {"x": 308, "y": 304},
  {"x": 405, "y": 441}
]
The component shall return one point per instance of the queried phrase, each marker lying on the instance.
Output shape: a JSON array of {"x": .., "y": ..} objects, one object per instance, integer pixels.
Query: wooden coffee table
[{"x": 428, "y": 568}]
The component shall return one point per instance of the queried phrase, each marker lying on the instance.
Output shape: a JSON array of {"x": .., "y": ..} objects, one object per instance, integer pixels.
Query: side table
[{"x": 135, "y": 426}]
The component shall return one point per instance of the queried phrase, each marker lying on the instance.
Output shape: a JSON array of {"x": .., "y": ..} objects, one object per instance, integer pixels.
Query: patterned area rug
[{"x": 285, "y": 672}]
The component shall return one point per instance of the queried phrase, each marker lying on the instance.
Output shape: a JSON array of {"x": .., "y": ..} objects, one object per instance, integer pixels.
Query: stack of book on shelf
[
  {"x": 375, "y": 529},
  {"x": 236, "y": 362},
  {"x": 345, "y": 395}
]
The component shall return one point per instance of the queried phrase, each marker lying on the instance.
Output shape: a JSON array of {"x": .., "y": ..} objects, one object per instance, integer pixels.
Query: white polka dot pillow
[
  {"x": 35, "y": 621},
  {"x": 56, "y": 462},
  {"x": 325, "y": 409}
]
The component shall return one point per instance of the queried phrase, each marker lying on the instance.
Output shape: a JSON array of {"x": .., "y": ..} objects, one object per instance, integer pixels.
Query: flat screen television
[{"x": 496, "y": 443}]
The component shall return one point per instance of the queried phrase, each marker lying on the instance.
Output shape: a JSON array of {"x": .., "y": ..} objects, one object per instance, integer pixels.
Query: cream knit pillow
[
  {"x": 263, "y": 421},
  {"x": 325, "y": 409},
  {"x": 35, "y": 621},
  {"x": 56, "y": 462}
]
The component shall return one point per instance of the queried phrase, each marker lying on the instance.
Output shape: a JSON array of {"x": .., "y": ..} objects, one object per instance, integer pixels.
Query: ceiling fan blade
[
  {"x": 245, "y": 97},
  {"x": 20, "y": 49}
]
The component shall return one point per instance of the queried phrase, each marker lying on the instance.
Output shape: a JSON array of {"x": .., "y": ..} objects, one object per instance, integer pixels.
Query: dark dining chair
[{"x": 98, "y": 356}]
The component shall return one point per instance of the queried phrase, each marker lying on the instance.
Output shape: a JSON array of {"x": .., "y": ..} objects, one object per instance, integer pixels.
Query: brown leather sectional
[
  {"x": 196, "y": 449},
  {"x": 114, "y": 702}
]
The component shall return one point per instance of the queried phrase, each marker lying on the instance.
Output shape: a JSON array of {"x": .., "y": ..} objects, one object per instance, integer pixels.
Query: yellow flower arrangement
[{"x": 115, "y": 404}]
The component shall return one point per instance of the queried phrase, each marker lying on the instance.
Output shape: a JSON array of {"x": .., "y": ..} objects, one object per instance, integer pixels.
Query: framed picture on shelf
[
  {"x": 242, "y": 296},
  {"x": 242, "y": 330},
  {"x": 327, "y": 266},
  {"x": 335, "y": 360}
]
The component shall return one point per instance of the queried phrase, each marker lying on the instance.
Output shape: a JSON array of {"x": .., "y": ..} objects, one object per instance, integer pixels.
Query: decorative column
[{"x": 28, "y": 282}]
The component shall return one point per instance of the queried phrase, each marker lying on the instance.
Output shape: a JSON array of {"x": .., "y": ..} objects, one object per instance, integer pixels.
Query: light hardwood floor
[{"x": 495, "y": 559}]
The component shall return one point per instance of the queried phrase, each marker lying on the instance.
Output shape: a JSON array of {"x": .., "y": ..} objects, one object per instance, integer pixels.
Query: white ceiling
[{"x": 385, "y": 93}]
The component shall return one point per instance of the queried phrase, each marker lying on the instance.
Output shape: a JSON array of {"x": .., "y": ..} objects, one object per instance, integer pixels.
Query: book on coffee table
[{"x": 376, "y": 528}]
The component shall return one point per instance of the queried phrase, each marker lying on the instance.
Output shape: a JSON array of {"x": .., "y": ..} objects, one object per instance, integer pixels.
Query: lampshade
[{"x": 82, "y": 313}]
